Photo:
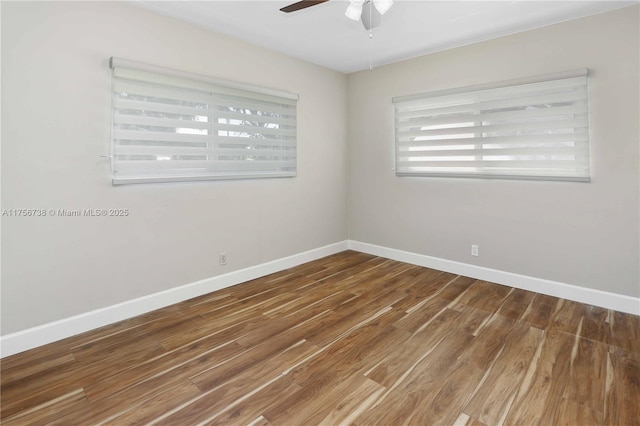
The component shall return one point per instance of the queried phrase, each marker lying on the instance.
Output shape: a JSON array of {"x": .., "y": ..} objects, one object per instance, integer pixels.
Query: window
[
  {"x": 526, "y": 129},
  {"x": 169, "y": 125}
]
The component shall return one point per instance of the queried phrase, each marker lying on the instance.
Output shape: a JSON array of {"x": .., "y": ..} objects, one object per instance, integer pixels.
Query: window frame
[
  {"x": 231, "y": 130},
  {"x": 554, "y": 153}
]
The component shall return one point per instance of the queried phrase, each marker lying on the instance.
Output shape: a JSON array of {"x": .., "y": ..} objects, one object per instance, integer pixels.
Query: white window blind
[
  {"x": 169, "y": 125},
  {"x": 526, "y": 129}
]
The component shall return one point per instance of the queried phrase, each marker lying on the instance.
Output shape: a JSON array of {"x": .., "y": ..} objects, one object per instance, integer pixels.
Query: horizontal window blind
[
  {"x": 169, "y": 125},
  {"x": 526, "y": 129}
]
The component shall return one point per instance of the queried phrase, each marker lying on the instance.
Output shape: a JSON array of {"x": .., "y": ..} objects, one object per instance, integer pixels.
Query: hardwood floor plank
[
  {"x": 465, "y": 420},
  {"x": 475, "y": 422},
  {"x": 260, "y": 421},
  {"x": 123, "y": 397},
  {"x": 364, "y": 270},
  {"x": 313, "y": 300},
  {"x": 252, "y": 359},
  {"x": 313, "y": 402},
  {"x": 248, "y": 304},
  {"x": 243, "y": 412},
  {"x": 397, "y": 363},
  {"x": 156, "y": 406},
  {"x": 570, "y": 412},
  {"x": 455, "y": 288},
  {"x": 354, "y": 404},
  {"x": 347, "y": 320},
  {"x": 26, "y": 393},
  {"x": 594, "y": 324},
  {"x": 428, "y": 282},
  {"x": 493, "y": 398},
  {"x": 126, "y": 327},
  {"x": 353, "y": 352},
  {"x": 220, "y": 345},
  {"x": 556, "y": 350},
  {"x": 516, "y": 304},
  {"x": 32, "y": 369},
  {"x": 540, "y": 311},
  {"x": 408, "y": 398},
  {"x": 221, "y": 391},
  {"x": 625, "y": 333},
  {"x": 348, "y": 339},
  {"x": 489, "y": 342},
  {"x": 567, "y": 317},
  {"x": 422, "y": 314},
  {"x": 85, "y": 368},
  {"x": 483, "y": 295},
  {"x": 622, "y": 393},
  {"x": 204, "y": 328},
  {"x": 451, "y": 395},
  {"x": 268, "y": 329},
  {"x": 48, "y": 411},
  {"x": 122, "y": 330},
  {"x": 533, "y": 393},
  {"x": 336, "y": 270},
  {"x": 587, "y": 374}
]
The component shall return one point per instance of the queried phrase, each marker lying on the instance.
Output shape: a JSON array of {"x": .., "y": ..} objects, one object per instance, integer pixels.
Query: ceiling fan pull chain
[
  {"x": 370, "y": 50},
  {"x": 370, "y": 40}
]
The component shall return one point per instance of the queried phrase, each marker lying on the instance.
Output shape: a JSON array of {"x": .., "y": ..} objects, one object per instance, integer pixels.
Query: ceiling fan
[{"x": 357, "y": 9}]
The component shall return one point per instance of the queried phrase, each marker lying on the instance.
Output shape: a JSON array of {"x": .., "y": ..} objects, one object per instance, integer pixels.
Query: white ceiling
[{"x": 323, "y": 35}]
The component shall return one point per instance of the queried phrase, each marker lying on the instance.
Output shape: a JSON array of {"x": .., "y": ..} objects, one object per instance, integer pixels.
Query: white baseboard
[
  {"x": 617, "y": 302},
  {"x": 41, "y": 335}
]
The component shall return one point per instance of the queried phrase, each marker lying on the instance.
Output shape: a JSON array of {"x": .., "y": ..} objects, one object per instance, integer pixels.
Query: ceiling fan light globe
[
  {"x": 354, "y": 11},
  {"x": 383, "y": 6}
]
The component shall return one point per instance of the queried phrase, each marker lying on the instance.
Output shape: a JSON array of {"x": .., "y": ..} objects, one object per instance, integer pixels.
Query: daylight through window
[
  {"x": 527, "y": 129},
  {"x": 169, "y": 125}
]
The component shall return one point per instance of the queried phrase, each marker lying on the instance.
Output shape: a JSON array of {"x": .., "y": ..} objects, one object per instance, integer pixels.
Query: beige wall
[
  {"x": 585, "y": 234},
  {"x": 55, "y": 126}
]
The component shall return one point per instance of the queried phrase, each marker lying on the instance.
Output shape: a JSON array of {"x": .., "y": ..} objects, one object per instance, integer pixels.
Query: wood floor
[{"x": 348, "y": 339}]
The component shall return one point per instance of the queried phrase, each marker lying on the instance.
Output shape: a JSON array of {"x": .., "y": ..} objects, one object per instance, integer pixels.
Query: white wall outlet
[
  {"x": 474, "y": 250},
  {"x": 222, "y": 259}
]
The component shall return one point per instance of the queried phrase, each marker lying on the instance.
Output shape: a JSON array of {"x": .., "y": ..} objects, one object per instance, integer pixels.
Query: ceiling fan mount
[
  {"x": 370, "y": 16},
  {"x": 368, "y": 11}
]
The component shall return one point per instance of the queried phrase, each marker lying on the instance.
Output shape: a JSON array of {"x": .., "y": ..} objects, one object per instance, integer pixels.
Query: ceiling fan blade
[{"x": 301, "y": 5}]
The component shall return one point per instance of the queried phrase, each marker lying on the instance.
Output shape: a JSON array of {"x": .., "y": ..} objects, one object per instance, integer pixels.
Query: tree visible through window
[{"x": 168, "y": 126}]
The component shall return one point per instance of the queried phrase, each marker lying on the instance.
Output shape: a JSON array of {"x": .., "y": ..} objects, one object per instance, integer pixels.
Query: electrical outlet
[
  {"x": 222, "y": 259},
  {"x": 474, "y": 250}
]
